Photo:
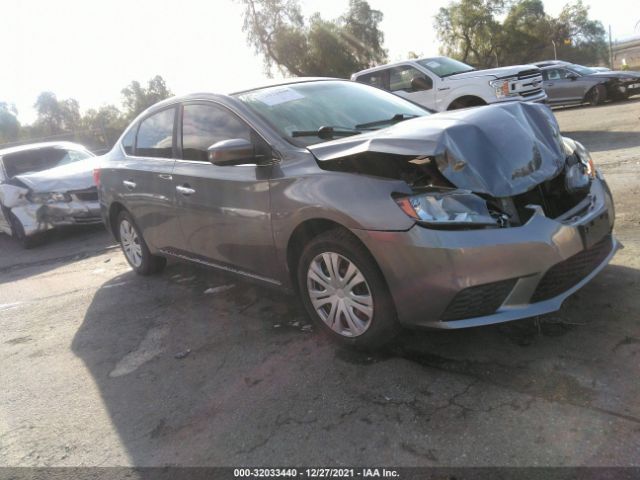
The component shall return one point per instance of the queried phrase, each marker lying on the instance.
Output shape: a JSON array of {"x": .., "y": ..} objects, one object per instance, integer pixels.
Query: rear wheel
[
  {"x": 135, "y": 248},
  {"x": 344, "y": 291}
]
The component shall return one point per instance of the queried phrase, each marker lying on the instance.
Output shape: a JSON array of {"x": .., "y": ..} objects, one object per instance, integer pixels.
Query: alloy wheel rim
[
  {"x": 340, "y": 294},
  {"x": 130, "y": 243}
]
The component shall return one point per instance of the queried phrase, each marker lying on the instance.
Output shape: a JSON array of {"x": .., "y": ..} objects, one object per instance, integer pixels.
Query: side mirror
[
  {"x": 572, "y": 76},
  {"x": 421, "y": 83},
  {"x": 236, "y": 151}
]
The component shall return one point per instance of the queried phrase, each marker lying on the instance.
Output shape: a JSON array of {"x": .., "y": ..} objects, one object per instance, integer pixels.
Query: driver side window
[
  {"x": 203, "y": 125},
  {"x": 409, "y": 79}
]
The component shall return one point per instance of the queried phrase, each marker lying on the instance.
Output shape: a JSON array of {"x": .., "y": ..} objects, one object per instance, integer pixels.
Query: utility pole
[
  {"x": 610, "y": 50},
  {"x": 555, "y": 53}
]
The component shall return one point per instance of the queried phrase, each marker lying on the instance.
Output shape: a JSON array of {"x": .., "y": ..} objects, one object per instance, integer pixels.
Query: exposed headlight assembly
[
  {"x": 579, "y": 170},
  {"x": 51, "y": 197},
  {"x": 443, "y": 208}
]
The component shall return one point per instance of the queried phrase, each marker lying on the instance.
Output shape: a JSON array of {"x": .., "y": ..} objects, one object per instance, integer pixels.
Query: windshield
[
  {"x": 40, "y": 159},
  {"x": 581, "y": 70},
  {"x": 444, "y": 67},
  {"x": 342, "y": 105}
]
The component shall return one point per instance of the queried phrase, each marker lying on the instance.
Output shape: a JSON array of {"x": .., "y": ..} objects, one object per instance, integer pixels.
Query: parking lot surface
[{"x": 101, "y": 367}]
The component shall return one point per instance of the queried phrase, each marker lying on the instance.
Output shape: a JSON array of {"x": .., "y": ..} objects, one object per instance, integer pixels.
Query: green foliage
[
  {"x": 136, "y": 98},
  {"x": 97, "y": 129},
  {"x": 9, "y": 124},
  {"x": 278, "y": 31},
  {"x": 472, "y": 32}
]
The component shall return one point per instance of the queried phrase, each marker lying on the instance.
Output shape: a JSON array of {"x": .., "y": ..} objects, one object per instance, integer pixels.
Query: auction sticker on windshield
[{"x": 278, "y": 96}]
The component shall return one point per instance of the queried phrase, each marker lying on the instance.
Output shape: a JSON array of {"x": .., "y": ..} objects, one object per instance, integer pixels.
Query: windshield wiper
[
  {"x": 456, "y": 73},
  {"x": 398, "y": 117},
  {"x": 326, "y": 132}
]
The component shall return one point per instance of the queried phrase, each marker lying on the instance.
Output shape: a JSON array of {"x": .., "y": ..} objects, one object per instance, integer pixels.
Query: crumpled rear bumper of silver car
[
  {"x": 457, "y": 279},
  {"x": 38, "y": 218}
]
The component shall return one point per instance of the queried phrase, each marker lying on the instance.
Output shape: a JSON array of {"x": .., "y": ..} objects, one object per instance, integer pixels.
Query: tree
[
  {"x": 278, "y": 31},
  {"x": 471, "y": 32},
  {"x": 54, "y": 116},
  {"x": 136, "y": 98},
  {"x": 9, "y": 124}
]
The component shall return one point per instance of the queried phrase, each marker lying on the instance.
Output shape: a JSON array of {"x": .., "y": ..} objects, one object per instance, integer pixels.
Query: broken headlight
[
  {"x": 448, "y": 208},
  {"x": 579, "y": 169},
  {"x": 572, "y": 147},
  {"x": 50, "y": 197}
]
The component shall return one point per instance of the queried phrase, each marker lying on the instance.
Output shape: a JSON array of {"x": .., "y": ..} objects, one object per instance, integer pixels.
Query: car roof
[
  {"x": 393, "y": 64},
  {"x": 223, "y": 96},
  {"x": 551, "y": 63},
  {"x": 39, "y": 145}
]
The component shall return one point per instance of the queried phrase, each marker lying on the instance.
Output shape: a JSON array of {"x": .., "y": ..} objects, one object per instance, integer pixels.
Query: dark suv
[{"x": 376, "y": 212}]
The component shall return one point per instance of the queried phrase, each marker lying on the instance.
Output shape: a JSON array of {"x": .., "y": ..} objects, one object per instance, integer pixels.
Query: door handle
[
  {"x": 165, "y": 176},
  {"x": 129, "y": 184},
  {"x": 184, "y": 190},
  {"x": 549, "y": 84}
]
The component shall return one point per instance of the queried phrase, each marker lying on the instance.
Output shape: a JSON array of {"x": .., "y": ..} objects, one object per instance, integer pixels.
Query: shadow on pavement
[
  {"x": 61, "y": 246},
  {"x": 236, "y": 376}
]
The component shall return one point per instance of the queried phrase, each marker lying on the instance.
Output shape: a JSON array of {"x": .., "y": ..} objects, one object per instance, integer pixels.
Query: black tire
[
  {"x": 382, "y": 325},
  {"x": 148, "y": 264},
  {"x": 596, "y": 95},
  {"x": 17, "y": 232}
]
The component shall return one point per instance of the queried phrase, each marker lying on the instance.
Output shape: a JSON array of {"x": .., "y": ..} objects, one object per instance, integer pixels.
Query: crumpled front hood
[
  {"x": 500, "y": 150},
  {"x": 73, "y": 176}
]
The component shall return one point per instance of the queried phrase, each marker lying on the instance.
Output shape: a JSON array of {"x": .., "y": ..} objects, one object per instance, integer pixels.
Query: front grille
[
  {"x": 88, "y": 195},
  {"x": 87, "y": 219},
  {"x": 531, "y": 93},
  {"x": 564, "y": 275},
  {"x": 478, "y": 301},
  {"x": 529, "y": 74}
]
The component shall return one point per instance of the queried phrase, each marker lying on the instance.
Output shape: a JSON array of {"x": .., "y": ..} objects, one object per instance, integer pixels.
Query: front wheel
[
  {"x": 344, "y": 291},
  {"x": 135, "y": 248},
  {"x": 17, "y": 232},
  {"x": 596, "y": 95}
]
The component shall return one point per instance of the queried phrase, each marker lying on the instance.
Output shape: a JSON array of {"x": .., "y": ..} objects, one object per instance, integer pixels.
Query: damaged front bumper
[
  {"x": 465, "y": 278},
  {"x": 37, "y": 218}
]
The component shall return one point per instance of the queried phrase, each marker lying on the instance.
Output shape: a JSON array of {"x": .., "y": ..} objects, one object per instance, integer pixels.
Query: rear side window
[
  {"x": 203, "y": 125},
  {"x": 375, "y": 79},
  {"x": 155, "y": 135},
  {"x": 129, "y": 139}
]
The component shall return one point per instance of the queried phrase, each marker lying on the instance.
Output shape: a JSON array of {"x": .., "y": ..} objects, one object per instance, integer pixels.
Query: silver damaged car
[
  {"x": 377, "y": 213},
  {"x": 45, "y": 186}
]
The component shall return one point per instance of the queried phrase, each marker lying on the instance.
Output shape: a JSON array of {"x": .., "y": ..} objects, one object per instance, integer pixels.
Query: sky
[{"x": 90, "y": 50}]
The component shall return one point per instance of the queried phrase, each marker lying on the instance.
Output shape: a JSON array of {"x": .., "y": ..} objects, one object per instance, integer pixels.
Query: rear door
[
  {"x": 224, "y": 210},
  {"x": 146, "y": 180}
]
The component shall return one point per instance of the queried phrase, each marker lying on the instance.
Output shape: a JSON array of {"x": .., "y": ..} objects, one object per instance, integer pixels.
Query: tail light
[{"x": 96, "y": 176}]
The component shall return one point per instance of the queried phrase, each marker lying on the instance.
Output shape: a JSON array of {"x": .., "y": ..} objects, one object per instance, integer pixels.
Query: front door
[
  {"x": 409, "y": 82},
  {"x": 224, "y": 211}
]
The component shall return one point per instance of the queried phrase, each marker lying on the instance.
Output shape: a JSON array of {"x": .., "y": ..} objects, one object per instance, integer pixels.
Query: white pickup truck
[{"x": 441, "y": 83}]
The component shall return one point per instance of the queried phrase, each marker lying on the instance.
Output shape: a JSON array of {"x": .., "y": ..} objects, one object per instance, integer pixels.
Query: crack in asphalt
[{"x": 475, "y": 369}]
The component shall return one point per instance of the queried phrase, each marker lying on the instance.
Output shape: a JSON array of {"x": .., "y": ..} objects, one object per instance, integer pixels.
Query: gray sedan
[
  {"x": 375, "y": 212},
  {"x": 570, "y": 84}
]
